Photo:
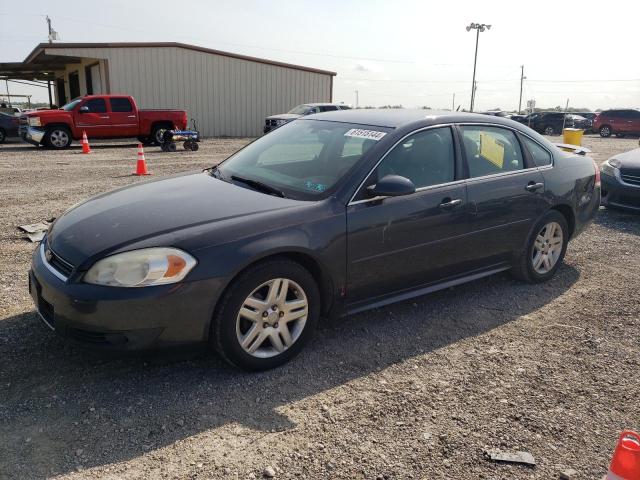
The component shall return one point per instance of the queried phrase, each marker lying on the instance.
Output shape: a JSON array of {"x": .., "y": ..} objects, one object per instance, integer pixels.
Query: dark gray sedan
[
  {"x": 8, "y": 126},
  {"x": 331, "y": 214},
  {"x": 621, "y": 181}
]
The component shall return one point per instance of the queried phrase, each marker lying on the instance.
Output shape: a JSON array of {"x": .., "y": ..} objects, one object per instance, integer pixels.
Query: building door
[
  {"x": 93, "y": 79},
  {"x": 62, "y": 96},
  {"x": 74, "y": 85}
]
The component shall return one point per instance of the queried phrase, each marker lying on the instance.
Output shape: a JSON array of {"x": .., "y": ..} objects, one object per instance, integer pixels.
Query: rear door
[
  {"x": 123, "y": 117},
  {"x": 398, "y": 243},
  {"x": 633, "y": 121},
  {"x": 505, "y": 192},
  {"x": 95, "y": 120}
]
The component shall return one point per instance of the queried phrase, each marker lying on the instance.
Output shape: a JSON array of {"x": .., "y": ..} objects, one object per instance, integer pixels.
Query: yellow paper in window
[{"x": 491, "y": 149}]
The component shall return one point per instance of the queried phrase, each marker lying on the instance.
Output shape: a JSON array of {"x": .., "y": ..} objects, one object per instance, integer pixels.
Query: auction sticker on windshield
[{"x": 360, "y": 133}]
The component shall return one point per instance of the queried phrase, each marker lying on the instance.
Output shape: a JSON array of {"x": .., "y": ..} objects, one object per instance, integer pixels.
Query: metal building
[{"x": 228, "y": 94}]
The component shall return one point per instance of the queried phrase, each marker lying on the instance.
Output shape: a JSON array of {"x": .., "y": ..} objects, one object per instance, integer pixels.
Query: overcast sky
[{"x": 413, "y": 53}]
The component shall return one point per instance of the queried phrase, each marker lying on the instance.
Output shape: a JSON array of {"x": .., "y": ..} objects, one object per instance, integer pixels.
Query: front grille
[
  {"x": 632, "y": 179},
  {"x": 57, "y": 262}
]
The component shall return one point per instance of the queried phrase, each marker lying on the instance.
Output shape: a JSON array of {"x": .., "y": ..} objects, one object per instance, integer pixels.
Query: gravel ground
[{"x": 416, "y": 390}]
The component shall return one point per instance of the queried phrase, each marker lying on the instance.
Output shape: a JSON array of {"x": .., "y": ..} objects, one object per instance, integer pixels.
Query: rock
[
  {"x": 568, "y": 474},
  {"x": 269, "y": 472},
  {"x": 511, "y": 457}
]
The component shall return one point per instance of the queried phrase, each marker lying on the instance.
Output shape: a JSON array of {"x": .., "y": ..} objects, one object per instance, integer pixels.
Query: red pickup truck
[{"x": 101, "y": 116}]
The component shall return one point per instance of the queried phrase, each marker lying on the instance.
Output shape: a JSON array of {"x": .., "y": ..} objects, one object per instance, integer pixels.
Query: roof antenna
[{"x": 53, "y": 35}]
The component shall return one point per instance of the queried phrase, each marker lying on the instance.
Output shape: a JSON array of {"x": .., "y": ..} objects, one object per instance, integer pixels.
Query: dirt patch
[{"x": 419, "y": 389}]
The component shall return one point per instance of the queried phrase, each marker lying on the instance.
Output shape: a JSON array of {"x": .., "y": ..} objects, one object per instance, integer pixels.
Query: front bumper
[
  {"x": 122, "y": 318},
  {"x": 32, "y": 135},
  {"x": 618, "y": 194}
]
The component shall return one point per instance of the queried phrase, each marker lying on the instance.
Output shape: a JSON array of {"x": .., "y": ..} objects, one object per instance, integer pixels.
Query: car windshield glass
[
  {"x": 304, "y": 159},
  {"x": 71, "y": 105},
  {"x": 300, "y": 110}
]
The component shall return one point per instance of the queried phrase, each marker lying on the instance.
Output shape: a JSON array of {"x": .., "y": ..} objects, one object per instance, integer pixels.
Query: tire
[
  {"x": 605, "y": 131},
  {"x": 57, "y": 138},
  {"x": 549, "y": 130},
  {"x": 3, "y": 135},
  {"x": 229, "y": 327},
  {"x": 525, "y": 267},
  {"x": 156, "y": 134},
  {"x": 171, "y": 147}
]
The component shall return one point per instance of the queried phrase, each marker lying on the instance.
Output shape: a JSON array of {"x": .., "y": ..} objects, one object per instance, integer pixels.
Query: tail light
[
  {"x": 596, "y": 182},
  {"x": 185, "y": 120}
]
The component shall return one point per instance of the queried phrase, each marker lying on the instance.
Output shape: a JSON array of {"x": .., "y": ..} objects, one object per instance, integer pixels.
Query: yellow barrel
[{"x": 572, "y": 136}]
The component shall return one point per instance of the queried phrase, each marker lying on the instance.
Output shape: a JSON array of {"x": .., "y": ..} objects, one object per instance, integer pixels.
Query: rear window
[
  {"x": 540, "y": 156},
  {"x": 120, "y": 105}
]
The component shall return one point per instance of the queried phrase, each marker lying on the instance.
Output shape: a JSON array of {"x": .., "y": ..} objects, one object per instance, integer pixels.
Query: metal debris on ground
[
  {"x": 35, "y": 231},
  {"x": 511, "y": 457}
]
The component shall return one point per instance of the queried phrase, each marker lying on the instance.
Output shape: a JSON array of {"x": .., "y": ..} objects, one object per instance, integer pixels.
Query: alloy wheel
[
  {"x": 59, "y": 138},
  {"x": 272, "y": 318},
  {"x": 548, "y": 131},
  {"x": 547, "y": 248}
]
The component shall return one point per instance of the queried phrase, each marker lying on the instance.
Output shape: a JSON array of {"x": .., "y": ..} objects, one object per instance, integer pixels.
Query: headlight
[
  {"x": 141, "y": 268},
  {"x": 610, "y": 166},
  {"x": 35, "y": 121}
]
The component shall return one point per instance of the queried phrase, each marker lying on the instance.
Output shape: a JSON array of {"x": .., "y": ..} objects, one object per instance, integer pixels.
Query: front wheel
[
  {"x": 267, "y": 315},
  {"x": 58, "y": 138},
  {"x": 549, "y": 130},
  {"x": 3, "y": 135},
  {"x": 605, "y": 131},
  {"x": 544, "y": 250}
]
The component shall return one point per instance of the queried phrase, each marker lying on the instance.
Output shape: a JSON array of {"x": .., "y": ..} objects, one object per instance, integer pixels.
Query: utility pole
[
  {"x": 522, "y": 77},
  {"x": 357, "y": 99},
  {"x": 453, "y": 103},
  {"x": 53, "y": 35},
  {"x": 478, "y": 27}
]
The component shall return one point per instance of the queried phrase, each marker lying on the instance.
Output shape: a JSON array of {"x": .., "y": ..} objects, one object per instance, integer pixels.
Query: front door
[
  {"x": 397, "y": 243},
  {"x": 505, "y": 192},
  {"x": 92, "y": 117}
]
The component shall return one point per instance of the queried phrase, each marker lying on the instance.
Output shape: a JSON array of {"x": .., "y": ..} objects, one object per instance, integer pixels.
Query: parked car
[
  {"x": 589, "y": 116},
  {"x": 549, "y": 123},
  {"x": 518, "y": 118},
  {"x": 274, "y": 121},
  {"x": 620, "y": 122},
  {"x": 101, "y": 116},
  {"x": 495, "y": 113},
  {"x": 580, "y": 122},
  {"x": 8, "y": 126},
  {"x": 621, "y": 181},
  {"x": 332, "y": 214}
]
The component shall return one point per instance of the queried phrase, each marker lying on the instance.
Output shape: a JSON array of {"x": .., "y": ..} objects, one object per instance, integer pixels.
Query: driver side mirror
[
  {"x": 83, "y": 109},
  {"x": 392, "y": 186}
]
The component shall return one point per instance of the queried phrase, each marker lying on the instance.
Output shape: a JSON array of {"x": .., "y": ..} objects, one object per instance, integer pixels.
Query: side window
[
  {"x": 426, "y": 158},
  {"x": 96, "y": 105},
  {"x": 540, "y": 156},
  {"x": 491, "y": 150},
  {"x": 328, "y": 108},
  {"x": 120, "y": 105}
]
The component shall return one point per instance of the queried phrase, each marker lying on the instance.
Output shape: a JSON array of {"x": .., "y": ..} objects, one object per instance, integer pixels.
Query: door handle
[
  {"x": 532, "y": 187},
  {"x": 447, "y": 203},
  {"x": 131, "y": 116},
  {"x": 104, "y": 117}
]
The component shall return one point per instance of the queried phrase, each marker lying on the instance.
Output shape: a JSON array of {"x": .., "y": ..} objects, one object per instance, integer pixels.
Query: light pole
[
  {"x": 522, "y": 79},
  {"x": 357, "y": 98},
  {"x": 478, "y": 27}
]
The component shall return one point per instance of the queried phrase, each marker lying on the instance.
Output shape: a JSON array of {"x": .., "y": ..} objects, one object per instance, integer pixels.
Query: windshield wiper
[{"x": 259, "y": 186}]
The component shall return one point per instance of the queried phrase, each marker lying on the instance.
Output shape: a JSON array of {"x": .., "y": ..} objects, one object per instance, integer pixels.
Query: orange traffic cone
[
  {"x": 625, "y": 464},
  {"x": 141, "y": 167},
  {"x": 85, "y": 143}
]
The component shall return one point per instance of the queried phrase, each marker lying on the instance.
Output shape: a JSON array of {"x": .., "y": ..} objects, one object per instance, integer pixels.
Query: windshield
[
  {"x": 71, "y": 105},
  {"x": 300, "y": 109},
  {"x": 304, "y": 159}
]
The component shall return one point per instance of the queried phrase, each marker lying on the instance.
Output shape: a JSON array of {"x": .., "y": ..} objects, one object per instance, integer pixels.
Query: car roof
[
  {"x": 323, "y": 104},
  {"x": 399, "y": 117}
]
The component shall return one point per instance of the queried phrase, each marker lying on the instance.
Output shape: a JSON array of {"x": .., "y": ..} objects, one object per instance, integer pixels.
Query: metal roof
[{"x": 41, "y": 63}]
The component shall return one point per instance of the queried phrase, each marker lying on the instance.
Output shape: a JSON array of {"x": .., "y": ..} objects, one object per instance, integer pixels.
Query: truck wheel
[
  {"x": 156, "y": 134},
  {"x": 58, "y": 138},
  {"x": 3, "y": 135}
]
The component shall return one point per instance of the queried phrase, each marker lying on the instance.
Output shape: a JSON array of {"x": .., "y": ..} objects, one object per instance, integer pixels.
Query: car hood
[
  {"x": 284, "y": 116},
  {"x": 117, "y": 219},
  {"x": 45, "y": 113},
  {"x": 630, "y": 162}
]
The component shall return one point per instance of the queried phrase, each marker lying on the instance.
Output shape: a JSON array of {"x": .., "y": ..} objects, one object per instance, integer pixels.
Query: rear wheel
[
  {"x": 549, "y": 130},
  {"x": 605, "y": 131},
  {"x": 267, "y": 315},
  {"x": 3, "y": 135},
  {"x": 156, "y": 134},
  {"x": 544, "y": 250},
  {"x": 58, "y": 138}
]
